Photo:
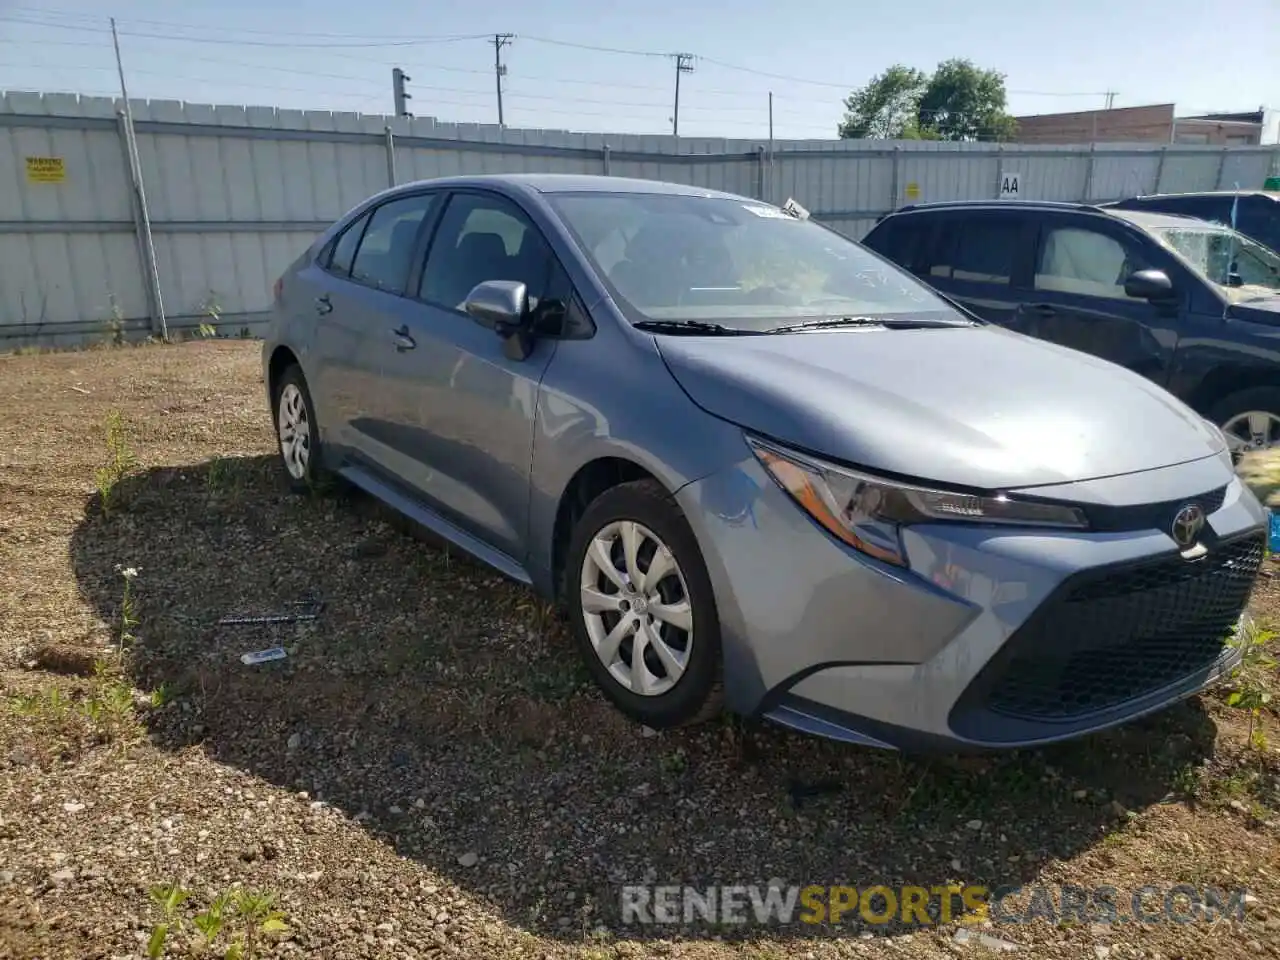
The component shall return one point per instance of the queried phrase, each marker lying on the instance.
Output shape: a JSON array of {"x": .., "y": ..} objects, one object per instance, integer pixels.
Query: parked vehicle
[
  {"x": 751, "y": 458},
  {"x": 1192, "y": 306},
  {"x": 1256, "y": 212}
]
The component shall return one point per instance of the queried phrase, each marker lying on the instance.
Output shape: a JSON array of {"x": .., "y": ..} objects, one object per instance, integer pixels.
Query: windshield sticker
[{"x": 772, "y": 213}]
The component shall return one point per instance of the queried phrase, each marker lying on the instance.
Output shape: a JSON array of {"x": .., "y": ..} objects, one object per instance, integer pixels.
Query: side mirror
[
  {"x": 500, "y": 305},
  {"x": 1149, "y": 285}
]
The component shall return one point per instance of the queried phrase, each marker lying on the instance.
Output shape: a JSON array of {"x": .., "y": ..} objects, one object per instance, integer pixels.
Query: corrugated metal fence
[{"x": 234, "y": 193}]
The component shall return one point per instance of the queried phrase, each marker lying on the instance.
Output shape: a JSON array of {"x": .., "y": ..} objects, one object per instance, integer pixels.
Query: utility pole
[
  {"x": 500, "y": 40},
  {"x": 684, "y": 64},
  {"x": 769, "y": 193},
  {"x": 145, "y": 238},
  {"x": 1111, "y": 99},
  {"x": 398, "y": 79}
]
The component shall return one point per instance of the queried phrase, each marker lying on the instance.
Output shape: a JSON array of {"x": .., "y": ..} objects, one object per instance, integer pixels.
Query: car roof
[
  {"x": 1139, "y": 218},
  {"x": 578, "y": 183},
  {"x": 938, "y": 205},
  {"x": 1161, "y": 221},
  {"x": 1269, "y": 194}
]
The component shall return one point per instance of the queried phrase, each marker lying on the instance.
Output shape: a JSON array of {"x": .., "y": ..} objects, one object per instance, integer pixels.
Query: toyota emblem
[{"x": 1187, "y": 524}]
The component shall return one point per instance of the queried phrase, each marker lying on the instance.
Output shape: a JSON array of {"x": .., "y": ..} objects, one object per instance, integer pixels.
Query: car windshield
[
  {"x": 740, "y": 264},
  {"x": 1242, "y": 268}
]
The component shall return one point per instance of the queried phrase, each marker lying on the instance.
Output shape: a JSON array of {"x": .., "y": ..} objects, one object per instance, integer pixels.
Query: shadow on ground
[{"x": 431, "y": 699}]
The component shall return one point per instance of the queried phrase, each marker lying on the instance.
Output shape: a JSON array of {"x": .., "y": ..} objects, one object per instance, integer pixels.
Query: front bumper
[{"x": 996, "y": 637}]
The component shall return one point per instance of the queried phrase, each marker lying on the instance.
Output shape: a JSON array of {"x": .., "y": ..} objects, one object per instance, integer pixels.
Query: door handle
[
  {"x": 402, "y": 340},
  {"x": 1044, "y": 309},
  {"x": 323, "y": 304}
]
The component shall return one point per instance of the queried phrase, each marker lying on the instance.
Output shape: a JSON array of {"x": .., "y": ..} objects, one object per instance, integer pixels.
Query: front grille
[
  {"x": 1119, "y": 634},
  {"x": 1150, "y": 516}
]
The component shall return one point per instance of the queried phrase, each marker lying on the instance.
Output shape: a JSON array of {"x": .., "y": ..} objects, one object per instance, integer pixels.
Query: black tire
[
  {"x": 312, "y": 473},
  {"x": 697, "y": 694},
  {"x": 1264, "y": 399}
]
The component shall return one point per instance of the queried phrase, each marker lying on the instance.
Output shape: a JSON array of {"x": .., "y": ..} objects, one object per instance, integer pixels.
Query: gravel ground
[{"x": 428, "y": 774}]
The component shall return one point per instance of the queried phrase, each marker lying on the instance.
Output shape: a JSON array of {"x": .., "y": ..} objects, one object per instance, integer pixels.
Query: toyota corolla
[{"x": 758, "y": 466}]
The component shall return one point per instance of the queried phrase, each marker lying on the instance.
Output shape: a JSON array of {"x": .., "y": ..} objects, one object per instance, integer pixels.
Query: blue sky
[{"x": 1055, "y": 56}]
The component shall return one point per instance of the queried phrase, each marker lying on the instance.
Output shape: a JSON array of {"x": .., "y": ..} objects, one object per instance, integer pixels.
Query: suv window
[
  {"x": 982, "y": 249},
  {"x": 344, "y": 249},
  {"x": 1259, "y": 217},
  {"x": 1086, "y": 262},
  {"x": 386, "y": 250},
  {"x": 483, "y": 237},
  {"x": 900, "y": 239}
]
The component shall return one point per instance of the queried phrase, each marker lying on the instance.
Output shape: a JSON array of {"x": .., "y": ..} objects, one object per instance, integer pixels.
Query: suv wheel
[
  {"x": 642, "y": 609},
  {"x": 1250, "y": 419}
]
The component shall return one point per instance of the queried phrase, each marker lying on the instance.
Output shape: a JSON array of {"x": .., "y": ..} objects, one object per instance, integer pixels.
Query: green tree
[
  {"x": 886, "y": 107},
  {"x": 964, "y": 102},
  {"x": 958, "y": 101}
]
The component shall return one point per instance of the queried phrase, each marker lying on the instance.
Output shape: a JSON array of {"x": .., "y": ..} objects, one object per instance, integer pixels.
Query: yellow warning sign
[
  {"x": 46, "y": 170},
  {"x": 913, "y": 191}
]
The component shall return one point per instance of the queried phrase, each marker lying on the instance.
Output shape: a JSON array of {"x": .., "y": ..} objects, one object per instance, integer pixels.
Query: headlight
[{"x": 868, "y": 512}]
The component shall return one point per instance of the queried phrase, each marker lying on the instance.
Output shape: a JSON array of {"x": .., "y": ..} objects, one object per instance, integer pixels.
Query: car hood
[
  {"x": 1261, "y": 310},
  {"x": 980, "y": 407}
]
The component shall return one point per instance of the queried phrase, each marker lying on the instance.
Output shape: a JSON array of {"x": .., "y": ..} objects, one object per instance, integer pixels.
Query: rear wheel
[
  {"x": 641, "y": 607},
  {"x": 297, "y": 432},
  {"x": 1250, "y": 419}
]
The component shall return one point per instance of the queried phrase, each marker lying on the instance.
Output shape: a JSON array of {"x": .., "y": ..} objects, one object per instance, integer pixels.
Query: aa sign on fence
[
  {"x": 1010, "y": 186},
  {"x": 46, "y": 170}
]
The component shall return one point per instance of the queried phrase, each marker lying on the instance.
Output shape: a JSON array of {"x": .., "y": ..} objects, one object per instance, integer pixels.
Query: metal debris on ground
[
  {"x": 263, "y": 656},
  {"x": 307, "y": 610}
]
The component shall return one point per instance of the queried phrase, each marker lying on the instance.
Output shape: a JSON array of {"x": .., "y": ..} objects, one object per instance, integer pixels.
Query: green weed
[
  {"x": 120, "y": 463},
  {"x": 235, "y": 924}
]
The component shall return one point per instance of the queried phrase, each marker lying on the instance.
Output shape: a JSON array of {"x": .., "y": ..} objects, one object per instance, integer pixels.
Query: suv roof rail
[{"x": 1034, "y": 204}]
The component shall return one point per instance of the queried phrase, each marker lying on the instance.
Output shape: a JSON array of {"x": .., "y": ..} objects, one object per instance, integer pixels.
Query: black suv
[
  {"x": 1192, "y": 305},
  {"x": 1257, "y": 212}
]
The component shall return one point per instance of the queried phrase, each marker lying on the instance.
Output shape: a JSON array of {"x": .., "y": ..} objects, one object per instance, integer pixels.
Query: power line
[{"x": 351, "y": 41}]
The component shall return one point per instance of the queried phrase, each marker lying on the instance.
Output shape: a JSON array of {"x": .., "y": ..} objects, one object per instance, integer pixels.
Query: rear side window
[
  {"x": 344, "y": 251},
  {"x": 899, "y": 239},
  {"x": 1259, "y": 218},
  {"x": 386, "y": 250},
  {"x": 979, "y": 250}
]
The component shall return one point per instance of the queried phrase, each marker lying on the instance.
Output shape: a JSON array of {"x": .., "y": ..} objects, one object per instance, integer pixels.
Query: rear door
[
  {"x": 980, "y": 259},
  {"x": 358, "y": 299},
  {"x": 1078, "y": 299}
]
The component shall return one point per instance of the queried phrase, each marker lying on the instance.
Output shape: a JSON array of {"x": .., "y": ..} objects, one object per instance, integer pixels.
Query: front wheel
[
  {"x": 642, "y": 609},
  {"x": 1250, "y": 419}
]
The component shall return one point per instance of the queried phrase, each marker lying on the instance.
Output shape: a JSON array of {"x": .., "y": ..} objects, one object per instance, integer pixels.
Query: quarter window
[
  {"x": 344, "y": 251},
  {"x": 386, "y": 251}
]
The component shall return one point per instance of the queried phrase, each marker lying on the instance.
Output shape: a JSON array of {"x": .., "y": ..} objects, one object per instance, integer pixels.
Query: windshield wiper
[
  {"x": 896, "y": 323},
  {"x": 693, "y": 328}
]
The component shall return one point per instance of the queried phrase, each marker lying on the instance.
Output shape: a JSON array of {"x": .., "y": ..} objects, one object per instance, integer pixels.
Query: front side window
[
  {"x": 485, "y": 237},
  {"x": 386, "y": 250},
  {"x": 737, "y": 263},
  {"x": 1085, "y": 262}
]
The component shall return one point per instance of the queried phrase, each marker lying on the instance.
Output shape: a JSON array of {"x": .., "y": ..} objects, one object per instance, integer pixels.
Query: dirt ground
[{"x": 428, "y": 773}]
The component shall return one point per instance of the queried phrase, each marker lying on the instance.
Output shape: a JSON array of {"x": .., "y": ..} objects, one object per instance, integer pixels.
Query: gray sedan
[{"x": 760, "y": 467}]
